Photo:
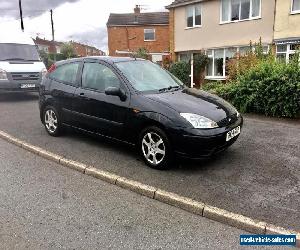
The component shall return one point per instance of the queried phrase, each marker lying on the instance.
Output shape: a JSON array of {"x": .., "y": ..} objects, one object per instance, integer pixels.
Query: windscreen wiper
[{"x": 169, "y": 88}]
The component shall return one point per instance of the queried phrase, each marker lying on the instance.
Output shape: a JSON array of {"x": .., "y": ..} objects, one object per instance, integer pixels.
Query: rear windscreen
[{"x": 23, "y": 52}]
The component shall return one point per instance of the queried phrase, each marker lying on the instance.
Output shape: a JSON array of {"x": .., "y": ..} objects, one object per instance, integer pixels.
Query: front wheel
[{"x": 155, "y": 148}]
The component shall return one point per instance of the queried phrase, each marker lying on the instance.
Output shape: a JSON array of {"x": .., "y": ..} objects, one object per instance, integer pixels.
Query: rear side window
[
  {"x": 66, "y": 73},
  {"x": 98, "y": 77}
]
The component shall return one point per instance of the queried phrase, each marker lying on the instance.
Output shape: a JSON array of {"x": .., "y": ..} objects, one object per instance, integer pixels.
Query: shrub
[
  {"x": 200, "y": 62},
  {"x": 68, "y": 51},
  {"x": 142, "y": 53},
  {"x": 182, "y": 71},
  {"x": 240, "y": 64},
  {"x": 269, "y": 88},
  {"x": 58, "y": 57},
  {"x": 212, "y": 85}
]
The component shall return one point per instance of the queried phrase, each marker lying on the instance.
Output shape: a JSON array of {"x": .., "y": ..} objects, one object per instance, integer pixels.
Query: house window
[
  {"x": 217, "y": 67},
  {"x": 149, "y": 34},
  {"x": 239, "y": 10},
  {"x": 286, "y": 52},
  {"x": 186, "y": 57},
  {"x": 295, "y": 6},
  {"x": 193, "y": 16}
]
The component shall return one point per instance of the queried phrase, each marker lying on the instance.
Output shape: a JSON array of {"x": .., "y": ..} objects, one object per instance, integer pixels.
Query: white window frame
[
  {"x": 294, "y": 11},
  {"x": 152, "y": 29},
  {"x": 236, "y": 21},
  {"x": 287, "y": 53},
  {"x": 194, "y": 16},
  {"x": 223, "y": 77}
]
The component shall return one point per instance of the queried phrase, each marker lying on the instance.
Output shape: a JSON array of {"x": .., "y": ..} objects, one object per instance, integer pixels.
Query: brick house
[
  {"x": 48, "y": 46},
  {"x": 129, "y": 32},
  {"x": 83, "y": 50}
]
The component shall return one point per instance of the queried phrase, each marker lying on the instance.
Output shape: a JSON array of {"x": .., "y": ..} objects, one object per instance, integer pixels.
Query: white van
[{"x": 21, "y": 68}]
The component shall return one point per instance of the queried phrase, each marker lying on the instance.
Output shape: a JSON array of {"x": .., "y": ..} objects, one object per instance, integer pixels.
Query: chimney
[{"x": 137, "y": 9}]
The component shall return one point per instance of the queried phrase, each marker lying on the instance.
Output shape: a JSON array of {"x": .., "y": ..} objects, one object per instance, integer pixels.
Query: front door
[{"x": 96, "y": 111}]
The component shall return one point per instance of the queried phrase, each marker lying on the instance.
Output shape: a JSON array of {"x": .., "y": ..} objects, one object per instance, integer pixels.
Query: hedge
[{"x": 269, "y": 88}]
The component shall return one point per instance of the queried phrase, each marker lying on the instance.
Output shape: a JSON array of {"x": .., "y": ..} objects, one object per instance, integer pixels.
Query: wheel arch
[{"x": 48, "y": 102}]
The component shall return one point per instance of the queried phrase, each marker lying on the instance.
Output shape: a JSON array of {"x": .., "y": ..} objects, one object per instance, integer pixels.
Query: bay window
[
  {"x": 238, "y": 10},
  {"x": 295, "y": 6},
  {"x": 193, "y": 16},
  {"x": 217, "y": 67}
]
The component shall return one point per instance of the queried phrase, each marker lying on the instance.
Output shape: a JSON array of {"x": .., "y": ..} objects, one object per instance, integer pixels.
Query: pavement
[
  {"x": 259, "y": 176},
  {"x": 46, "y": 206}
]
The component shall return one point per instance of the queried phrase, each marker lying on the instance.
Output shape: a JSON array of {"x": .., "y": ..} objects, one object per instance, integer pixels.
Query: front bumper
[
  {"x": 10, "y": 86},
  {"x": 200, "y": 143}
]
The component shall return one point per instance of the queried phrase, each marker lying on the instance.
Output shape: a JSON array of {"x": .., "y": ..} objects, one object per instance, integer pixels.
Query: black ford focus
[{"x": 136, "y": 102}]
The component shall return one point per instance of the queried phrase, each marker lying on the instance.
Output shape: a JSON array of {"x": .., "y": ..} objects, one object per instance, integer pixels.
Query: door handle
[{"x": 82, "y": 95}]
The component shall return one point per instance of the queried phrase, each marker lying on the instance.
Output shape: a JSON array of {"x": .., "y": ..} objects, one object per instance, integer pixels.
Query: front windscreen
[
  {"x": 147, "y": 76},
  {"x": 14, "y": 52}
]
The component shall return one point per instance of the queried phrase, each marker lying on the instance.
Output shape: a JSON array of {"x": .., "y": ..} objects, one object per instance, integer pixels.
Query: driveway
[{"x": 259, "y": 176}]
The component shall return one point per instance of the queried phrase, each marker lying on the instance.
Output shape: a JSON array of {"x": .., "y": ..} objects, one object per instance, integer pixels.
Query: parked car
[
  {"x": 139, "y": 103},
  {"x": 21, "y": 68}
]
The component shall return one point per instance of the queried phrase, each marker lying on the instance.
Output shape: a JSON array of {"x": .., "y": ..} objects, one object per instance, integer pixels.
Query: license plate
[
  {"x": 233, "y": 133},
  {"x": 27, "y": 86}
]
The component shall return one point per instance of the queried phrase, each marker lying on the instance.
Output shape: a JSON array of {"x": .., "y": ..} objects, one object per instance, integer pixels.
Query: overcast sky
[{"x": 81, "y": 20}]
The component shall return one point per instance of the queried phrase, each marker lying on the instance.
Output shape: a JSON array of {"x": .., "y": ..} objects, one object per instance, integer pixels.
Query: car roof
[
  {"x": 108, "y": 59},
  {"x": 16, "y": 38}
]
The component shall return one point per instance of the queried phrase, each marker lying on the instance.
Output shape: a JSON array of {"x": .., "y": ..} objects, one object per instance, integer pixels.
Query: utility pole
[
  {"x": 21, "y": 15},
  {"x": 52, "y": 27}
]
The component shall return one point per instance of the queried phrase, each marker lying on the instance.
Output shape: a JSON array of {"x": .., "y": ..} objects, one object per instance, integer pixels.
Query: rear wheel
[
  {"x": 155, "y": 148},
  {"x": 51, "y": 121}
]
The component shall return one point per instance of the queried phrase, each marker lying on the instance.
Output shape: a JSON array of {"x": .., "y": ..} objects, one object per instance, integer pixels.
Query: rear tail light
[{"x": 52, "y": 68}]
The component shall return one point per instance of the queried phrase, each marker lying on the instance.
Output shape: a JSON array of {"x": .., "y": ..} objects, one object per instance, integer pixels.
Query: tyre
[
  {"x": 155, "y": 148},
  {"x": 51, "y": 121}
]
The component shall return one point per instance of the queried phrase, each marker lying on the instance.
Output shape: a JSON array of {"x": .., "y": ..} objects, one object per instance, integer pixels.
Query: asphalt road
[
  {"x": 259, "y": 176},
  {"x": 46, "y": 206}
]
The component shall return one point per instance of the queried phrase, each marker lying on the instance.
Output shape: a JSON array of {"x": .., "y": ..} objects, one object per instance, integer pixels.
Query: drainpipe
[
  {"x": 127, "y": 38},
  {"x": 275, "y": 12},
  {"x": 192, "y": 70}
]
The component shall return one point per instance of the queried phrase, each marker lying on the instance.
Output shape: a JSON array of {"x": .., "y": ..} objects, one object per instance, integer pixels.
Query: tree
[
  {"x": 142, "y": 53},
  {"x": 68, "y": 50}
]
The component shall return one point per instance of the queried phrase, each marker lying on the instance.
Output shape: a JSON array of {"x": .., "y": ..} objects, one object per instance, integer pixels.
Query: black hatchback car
[{"x": 137, "y": 102}]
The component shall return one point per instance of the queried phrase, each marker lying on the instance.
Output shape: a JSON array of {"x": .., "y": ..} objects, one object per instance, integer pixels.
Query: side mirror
[{"x": 114, "y": 91}]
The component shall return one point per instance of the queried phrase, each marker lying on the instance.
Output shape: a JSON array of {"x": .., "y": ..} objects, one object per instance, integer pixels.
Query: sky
[{"x": 80, "y": 20}]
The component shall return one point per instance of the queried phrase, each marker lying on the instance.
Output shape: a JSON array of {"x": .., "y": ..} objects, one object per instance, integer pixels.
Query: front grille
[
  {"x": 228, "y": 121},
  {"x": 25, "y": 76}
]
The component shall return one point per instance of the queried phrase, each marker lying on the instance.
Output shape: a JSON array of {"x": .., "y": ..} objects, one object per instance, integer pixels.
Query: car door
[
  {"x": 64, "y": 81},
  {"x": 96, "y": 111}
]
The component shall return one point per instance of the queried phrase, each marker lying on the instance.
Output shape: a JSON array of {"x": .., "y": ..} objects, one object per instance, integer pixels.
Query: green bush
[
  {"x": 182, "y": 71},
  {"x": 212, "y": 85},
  {"x": 269, "y": 88},
  {"x": 59, "y": 57}
]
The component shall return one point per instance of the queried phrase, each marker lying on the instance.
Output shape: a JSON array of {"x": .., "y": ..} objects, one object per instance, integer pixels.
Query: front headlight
[
  {"x": 44, "y": 73},
  {"x": 3, "y": 75},
  {"x": 199, "y": 121},
  {"x": 237, "y": 113}
]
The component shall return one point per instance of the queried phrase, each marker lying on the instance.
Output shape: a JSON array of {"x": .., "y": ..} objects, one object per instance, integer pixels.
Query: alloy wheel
[
  {"x": 51, "y": 121},
  {"x": 153, "y": 148}
]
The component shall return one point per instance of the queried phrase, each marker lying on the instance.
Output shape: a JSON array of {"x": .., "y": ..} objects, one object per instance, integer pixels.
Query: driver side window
[{"x": 98, "y": 77}]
